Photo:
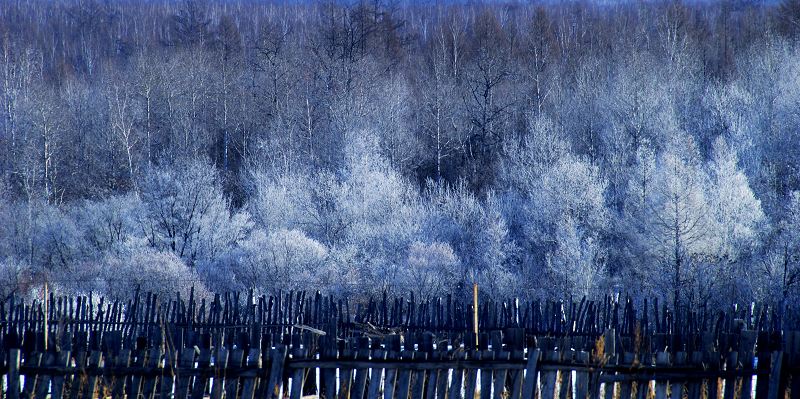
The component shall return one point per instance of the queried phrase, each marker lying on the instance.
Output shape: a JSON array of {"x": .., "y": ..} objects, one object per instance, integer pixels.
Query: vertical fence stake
[
  {"x": 475, "y": 312},
  {"x": 13, "y": 374},
  {"x": 46, "y": 300}
]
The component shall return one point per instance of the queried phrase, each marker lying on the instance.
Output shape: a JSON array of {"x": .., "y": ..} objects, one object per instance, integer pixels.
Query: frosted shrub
[
  {"x": 185, "y": 212},
  {"x": 279, "y": 260},
  {"x": 15, "y": 279},
  {"x": 161, "y": 272},
  {"x": 431, "y": 269}
]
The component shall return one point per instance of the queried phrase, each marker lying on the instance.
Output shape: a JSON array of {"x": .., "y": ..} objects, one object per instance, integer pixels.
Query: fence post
[
  {"x": 777, "y": 379},
  {"x": 475, "y": 312},
  {"x": 13, "y": 374}
]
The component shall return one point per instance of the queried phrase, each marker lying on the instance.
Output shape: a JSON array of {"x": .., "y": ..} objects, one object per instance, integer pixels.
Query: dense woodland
[{"x": 538, "y": 149}]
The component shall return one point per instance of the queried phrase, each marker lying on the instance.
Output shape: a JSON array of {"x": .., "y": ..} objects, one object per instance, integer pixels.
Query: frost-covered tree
[
  {"x": 567, "y": 218},
  {"x": 542, "y": 145},
  {"x": 736, "y": 212},
  {"x": 278, "y": 260},
  {"x": 379, "y": 207},
  {"x": 367, "y": 210},
  {"x": 283, "y": 201},
  {"x": 477, "y": 232},
  {"x": 676, "y": 225},
  {"x": 777, "y": 274},
  {"x": 299, "y": 201},
  {"x": 160, "y": 272},
  {"x": 110, "y": 225},
  {"x": 15, "y": 278},
  {"x": 56, "y": 240},
  {"x": 578, "y": 263},
  {"x": 185, "y": 212},
  {"x": 544, "y": 148},
  {"x": 562, "y": 211},
  {"x": 430, "y": 270}
]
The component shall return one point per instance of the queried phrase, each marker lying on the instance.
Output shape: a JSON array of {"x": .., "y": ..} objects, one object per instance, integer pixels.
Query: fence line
[
  {"x": 298, "y": 344},
  {"x": 503, "y": 364},
  {"x": 229, "y": 314}
]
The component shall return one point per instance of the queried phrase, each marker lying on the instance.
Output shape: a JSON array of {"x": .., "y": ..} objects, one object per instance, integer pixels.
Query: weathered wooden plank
[
  {"x": 442, "y": 381},
  {"x": 418, "y": 382},
  {"x": 116, "y": 382},
  {"x": 470, "y": 377},
  {"x": 391, "y": 377},
  {"x": 232, "y": 381},
  {"x": 731, "y": 363},
  {"x": 457, "y": 378},
  {"x": 485, "y": 375},
  {"x": 90, "y": 389},
  {"x": 711, "y": 360},
  {"x": 642, "y": 388},
  {"x": 59, "y": 380},
  {"x": 249, "y": 383},
  {"x": 135, "y": 385},
  {"x": 79, "y": 378},
  {"x": 515, "y": 344},
  {"x": 328, "y": 350},
  {"x": 676, "y": 387},
  {"x": 260, "y": 389},
  {"x": 275, "y": 381},
  {"x": 531, "y": 374},
  {"x": 582, "y": 377},
  {"x": 609, "y": 356},
  {"x": 662, "y": 360},
  {"x": 43, "y": 386},
  {"x": 694, "y": 387},
  {"x": 746, "y": 358},
  {"x": 345, "y": 374},
  {"x": 626, "y": 387},
  {"x": 29, "y": 388},
  {"x": 548, "y": 388},
  {"x": 376, "y": 375},
  {"x": 186, "y": 361},
  {"x": 499, "y": 376},
  {"x": 299, "y": 375},
  {"x": 13, "y": 373},
  {"x": 565, "y": 375},
  {"x": 150, "y": 382},
  {"x": 201, "y": 381},
  {"x": 168, "y": 377},
  {"x": 403, "y": 384},
  {"x": 776, "y": 377},
  {"x": 360, "y": 383},
  {"x": 220, "y": 365},
  {"x": 792, "y": 349},
  {"x": 516, "y": 376},
  {"x": 433, "y": 379}
]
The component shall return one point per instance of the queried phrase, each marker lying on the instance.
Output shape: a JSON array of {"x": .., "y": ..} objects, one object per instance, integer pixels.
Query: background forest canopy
[{"x": 538, "y": 149}]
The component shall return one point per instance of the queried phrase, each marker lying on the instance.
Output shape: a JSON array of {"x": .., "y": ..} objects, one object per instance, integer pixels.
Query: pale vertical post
[
  {"x": 46, "y": 300},
  {"x": 475, "y": 312}
]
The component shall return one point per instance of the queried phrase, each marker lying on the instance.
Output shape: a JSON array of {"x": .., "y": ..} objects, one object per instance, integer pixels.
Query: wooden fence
[
  {"x": 226, "y": 316},
  {"x": 502, "y": 365},
  {"x": 295, "y": 345}
]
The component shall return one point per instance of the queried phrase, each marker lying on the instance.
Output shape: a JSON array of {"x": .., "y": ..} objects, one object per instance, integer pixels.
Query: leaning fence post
[{"x": 13, "y": 374}]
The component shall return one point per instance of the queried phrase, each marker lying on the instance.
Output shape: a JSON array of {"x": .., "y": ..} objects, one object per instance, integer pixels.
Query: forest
[{"x": 538, "y": 149}]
